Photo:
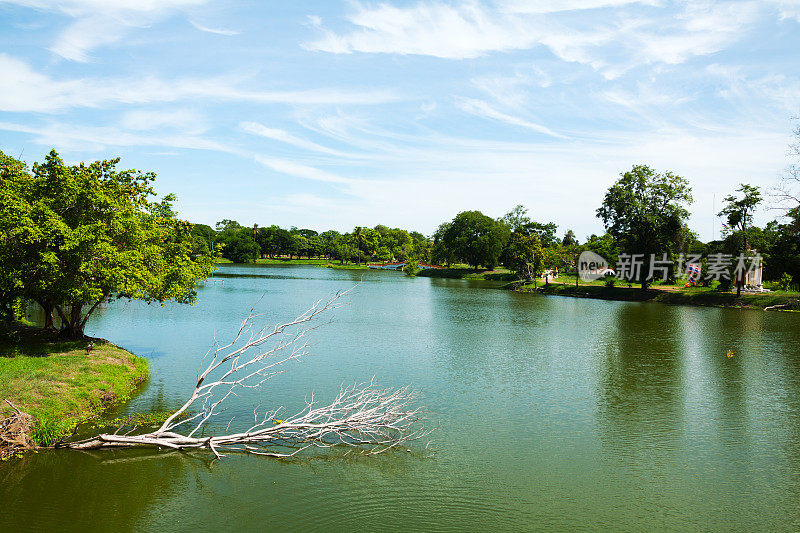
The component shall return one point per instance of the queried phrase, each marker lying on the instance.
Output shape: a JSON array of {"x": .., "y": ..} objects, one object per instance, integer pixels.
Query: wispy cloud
[
  {"x": 24, "y": 89},
  {"x": 471, "y": 29},
  {"x": 483, "y": 109},
  {"x": 283, "y": 136},
  {"x": 183, "y": 120},
  {"x": 97, "y": 22},
  {"x": 290, "y": 168},
  {"x": 68, "y": 136},
  {"x": 212, "y": 30}
]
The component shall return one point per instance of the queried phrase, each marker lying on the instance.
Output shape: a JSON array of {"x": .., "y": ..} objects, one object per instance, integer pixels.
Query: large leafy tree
[
  {"x": 473, "y": 238},
  {"x": 646, "y": 211},
  {"x": 81, "y": 234},
  {"x": 17, "y": 232}
]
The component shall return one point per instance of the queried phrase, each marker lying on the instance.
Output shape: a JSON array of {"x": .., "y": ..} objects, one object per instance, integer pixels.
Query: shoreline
[
  {"x": 707, "y": 298},
  {"x": 57, "y": 385}
]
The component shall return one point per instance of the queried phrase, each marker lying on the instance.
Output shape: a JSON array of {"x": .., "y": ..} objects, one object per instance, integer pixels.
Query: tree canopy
[
  {"x": 646, "y": 211},
  {"x": 76, "y": 235},
  {"x": 472, "y": 237}
]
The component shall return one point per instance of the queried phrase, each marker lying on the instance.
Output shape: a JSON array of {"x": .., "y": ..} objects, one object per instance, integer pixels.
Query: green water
[{"x": 552, "y": 413}]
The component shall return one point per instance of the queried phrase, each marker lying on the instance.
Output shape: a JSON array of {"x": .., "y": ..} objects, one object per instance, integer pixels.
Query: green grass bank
[
  {"x": 58, "y": 384},
  {"x": 467, "y": 272},
  {"x": 789, "y": 301}
]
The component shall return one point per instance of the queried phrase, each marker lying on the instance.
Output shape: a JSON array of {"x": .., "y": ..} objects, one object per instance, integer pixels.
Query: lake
[{"x": 551, "y": 413}]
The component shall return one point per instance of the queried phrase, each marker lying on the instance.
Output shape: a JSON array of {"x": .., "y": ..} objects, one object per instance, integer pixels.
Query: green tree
[
  {"x": 18, "y": 233},
  {"x": 525, "y": 256},
  {"x": 646, "y": 212},
  {"x": 738, "y": 213},
  {"x": 240, "y": 247},
  {"x": 474, "y": 238},
  {"x": 87, "y": 233}
]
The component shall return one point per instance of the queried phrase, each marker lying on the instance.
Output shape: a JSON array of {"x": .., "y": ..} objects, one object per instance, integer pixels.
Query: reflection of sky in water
[{"x": 551, "y": 411}]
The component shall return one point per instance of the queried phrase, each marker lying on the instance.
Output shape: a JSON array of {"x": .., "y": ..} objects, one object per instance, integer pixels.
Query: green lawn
[
  {"x": 461, "y": 271},
  {"x": 672, "y": 294},
  {"x": 59, "y": 384}
]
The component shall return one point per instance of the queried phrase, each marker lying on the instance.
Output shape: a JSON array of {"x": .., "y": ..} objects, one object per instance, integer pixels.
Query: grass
[
  {"x": 57, "y": 383},
  {"x": 287, "y": 261},
  {"x": 468, "y": 272},
  {"x": 346, "y": 266},
  {"x": 671, "y": 294}
]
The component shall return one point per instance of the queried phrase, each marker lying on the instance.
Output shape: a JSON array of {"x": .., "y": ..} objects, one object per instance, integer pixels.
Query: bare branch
[{"x": 361, "y": 416}]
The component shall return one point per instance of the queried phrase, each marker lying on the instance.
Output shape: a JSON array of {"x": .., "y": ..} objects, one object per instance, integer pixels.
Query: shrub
[
  {"x": 411, "y": 268},
  {"x": 785, "y": 282}
]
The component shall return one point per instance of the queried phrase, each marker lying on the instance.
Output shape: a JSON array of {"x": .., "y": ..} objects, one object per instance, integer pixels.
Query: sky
[{"x": 330, "y": 115}]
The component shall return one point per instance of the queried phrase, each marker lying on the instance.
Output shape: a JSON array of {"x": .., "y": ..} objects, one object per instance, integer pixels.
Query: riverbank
[
  {"x": 58, "y": 384},
  {"x": 694, "y": 296},
  {"x": 468, "y": 273}
]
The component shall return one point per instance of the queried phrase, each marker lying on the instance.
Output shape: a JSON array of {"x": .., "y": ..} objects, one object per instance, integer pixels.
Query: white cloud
[
  {"x": 290, "y": 168},
  {"x": 286, "y": 137},
  {"x": 97, "y": 138},
  {"x": 611, "y": 43},
  {"x": 789, "y": 9},
  {"x": 102, "y": 22},
  {"x": 212, "y": 30},
  {"x": 24, "y": 89},
  {"x": 555, "y": 6},
  {"x": 436, "y": 29},
  {"x": 183, "y": 120},
  {"x": 483, "y": 109}
]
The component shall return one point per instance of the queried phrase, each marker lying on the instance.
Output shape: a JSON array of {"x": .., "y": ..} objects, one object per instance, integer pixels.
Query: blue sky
[{"x": 336, "y": 114}]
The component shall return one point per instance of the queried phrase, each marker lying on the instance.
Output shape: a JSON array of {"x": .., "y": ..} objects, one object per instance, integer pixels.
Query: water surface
[{"x": 551, "y": 412}]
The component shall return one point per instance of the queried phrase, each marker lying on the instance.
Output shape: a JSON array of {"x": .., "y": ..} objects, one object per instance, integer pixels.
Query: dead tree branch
[{"x": 361, "y": 416}]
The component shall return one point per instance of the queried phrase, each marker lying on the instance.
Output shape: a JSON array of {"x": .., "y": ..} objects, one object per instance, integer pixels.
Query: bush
[
  {"x": 610, "y": 281},
  {"x": 785, "y": 282},
  {"x": 411, "y": 268}
]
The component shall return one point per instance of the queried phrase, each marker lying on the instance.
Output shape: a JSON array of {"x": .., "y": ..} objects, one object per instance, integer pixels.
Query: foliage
[
  {"x": 646, "y": 212},
  {"x": 738, "y": 212},
  {"x": 471, "y": 237},
  {"x": 525, "y": 256},
  {"x": 79, "y": 234},
  {"x": 411, "y": 268},
  {"x": 785, "y": 282}
]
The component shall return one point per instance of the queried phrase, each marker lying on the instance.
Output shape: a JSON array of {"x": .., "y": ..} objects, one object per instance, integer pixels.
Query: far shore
[{"x": 695, "y": 296}]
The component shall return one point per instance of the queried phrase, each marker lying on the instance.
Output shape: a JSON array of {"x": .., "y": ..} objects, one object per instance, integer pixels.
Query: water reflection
[{"x": 553, "y": 412}]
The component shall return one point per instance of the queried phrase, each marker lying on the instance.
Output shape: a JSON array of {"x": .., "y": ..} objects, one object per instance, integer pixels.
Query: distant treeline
[
  {"x": 245, "y": 244},
  {"x": 644, "y": 212}
]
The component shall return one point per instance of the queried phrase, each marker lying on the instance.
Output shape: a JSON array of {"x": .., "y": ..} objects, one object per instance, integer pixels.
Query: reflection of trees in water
[
  {"x": 79, "y": 491},
  {"x": 640, "y": 403}
]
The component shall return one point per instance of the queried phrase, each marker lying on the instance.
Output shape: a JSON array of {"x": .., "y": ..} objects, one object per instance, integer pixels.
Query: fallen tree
[
  {"x": 362, "y": 416},
  {"x": 15, "y": 432}
]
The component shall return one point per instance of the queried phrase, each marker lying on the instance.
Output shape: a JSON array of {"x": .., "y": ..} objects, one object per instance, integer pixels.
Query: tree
[
  {"x": 474, "y": 238},
  {"x": 569, "y": 239},
  {"x": 646, "y": 212},
  {"x": 17, "y": 233},
  {"x": 738, "y": 213},
  {"x": 86, "y": 233},
  {"x": 240, "y": 247},
  {"x": 525, "y": 256}
]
